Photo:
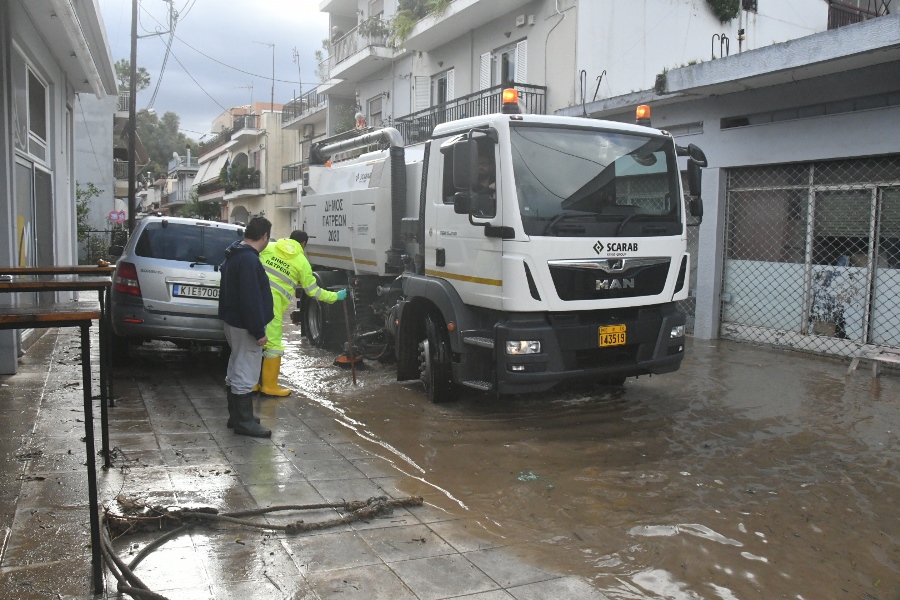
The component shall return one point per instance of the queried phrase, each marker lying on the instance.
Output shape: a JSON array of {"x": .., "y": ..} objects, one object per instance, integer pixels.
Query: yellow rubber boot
[{"x": 271, "y": 367}]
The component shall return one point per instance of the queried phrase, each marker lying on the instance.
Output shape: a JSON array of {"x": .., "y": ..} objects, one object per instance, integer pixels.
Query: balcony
[
  {"x": 361, "y": 52},
  {"x": 122, "y": 102},
  {"x": 435, "y": 31},
  {"x": 417, "y": 127},
  {"x": 211, "y": 190},
  {"x": 246, "y": 126},
  {"x": 183, "y": 163},
  {"x": 174, "y": 199},
  {"x": 292, "y": 173},
  {"x": 298, "y": 109},
  {"x": 841, "y": 14},
  {"x": 120, "y": 169},
  {"x": 346, "y": 8},
  {"x": 219, "y": 140}
]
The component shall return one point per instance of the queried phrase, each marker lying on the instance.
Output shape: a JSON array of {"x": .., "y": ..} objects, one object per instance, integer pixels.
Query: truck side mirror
[
  {"x": 696, "y": 207},
  {"x": 462, "y": 203},
  {"x": 694, "y": 177},
  {"x": 697, "y": 155},
  {"x": 465, "y": 164}
]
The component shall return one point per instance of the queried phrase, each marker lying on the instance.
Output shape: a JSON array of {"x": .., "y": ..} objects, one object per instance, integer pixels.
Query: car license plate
[
  {"x": 612, "y": 335},
  {"x": 195, "y": 291}
]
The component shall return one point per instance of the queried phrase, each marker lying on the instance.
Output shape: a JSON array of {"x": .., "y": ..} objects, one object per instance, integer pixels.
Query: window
[
  {"x": 484, "y": 198},
  {"x": 442, "y": 87},
  {"x": 374, "y": 109},
  {"x": 749, "y": 5},
  {"x": 505, "y": 65}
]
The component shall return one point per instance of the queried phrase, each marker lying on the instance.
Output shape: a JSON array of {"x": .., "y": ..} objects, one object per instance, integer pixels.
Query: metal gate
[{"x": 812, "y": 255}]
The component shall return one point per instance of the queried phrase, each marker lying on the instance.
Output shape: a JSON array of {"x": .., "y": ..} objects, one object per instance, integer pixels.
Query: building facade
[{"x": 50, "y": 52}]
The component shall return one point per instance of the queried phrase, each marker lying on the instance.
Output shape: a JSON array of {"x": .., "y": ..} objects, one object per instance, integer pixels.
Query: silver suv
[{"x": 166, "y": 285}]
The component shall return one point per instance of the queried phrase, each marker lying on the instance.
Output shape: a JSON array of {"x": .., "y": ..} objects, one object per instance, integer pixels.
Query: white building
[{"x": 50, "y": 51}]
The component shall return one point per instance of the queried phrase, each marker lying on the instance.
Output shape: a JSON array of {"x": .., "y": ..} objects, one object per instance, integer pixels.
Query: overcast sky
[{"x": 225, "y": 31}]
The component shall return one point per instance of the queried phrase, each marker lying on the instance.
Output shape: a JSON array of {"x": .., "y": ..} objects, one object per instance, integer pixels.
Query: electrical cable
[
  {"x": 173, "y": 21},
  {"x": 198, "y": 83}
]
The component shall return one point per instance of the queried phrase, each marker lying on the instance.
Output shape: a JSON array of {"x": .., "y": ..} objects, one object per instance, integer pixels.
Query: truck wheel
[
  {"x": 434, "y": 364},
  {"x": 318, "y": 331}
]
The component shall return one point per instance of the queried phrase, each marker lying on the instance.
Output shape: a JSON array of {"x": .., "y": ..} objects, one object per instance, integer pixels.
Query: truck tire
[
  {"x": 318, "y": 330},
  {"x": 434, "y": 364}
]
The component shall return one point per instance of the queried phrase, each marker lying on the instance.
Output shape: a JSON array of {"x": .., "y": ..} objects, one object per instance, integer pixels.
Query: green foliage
[
  {"x": 374, "y": 28},
  {"x": 195, "y": 209},
  {"x": 123, "y": 76},
  {"x": 161, "y": 138},
  {"x": 410, "y": 12},
  {"x": 83, "y": 195},
  {"x": 345, "y": 117},
  {"x": 321, "y": 62},
  {"x": 725, "y": 10},
  {"x": 240, "y": 178}
]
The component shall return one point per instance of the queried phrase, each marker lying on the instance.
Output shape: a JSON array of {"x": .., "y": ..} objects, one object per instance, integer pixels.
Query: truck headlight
[
  {"x": 677, "y": 331},
  {"x": 523, "y": 347}
]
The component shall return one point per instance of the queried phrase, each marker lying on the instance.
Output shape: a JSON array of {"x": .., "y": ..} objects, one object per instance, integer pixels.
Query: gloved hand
[{"x": 342, "y": 295}]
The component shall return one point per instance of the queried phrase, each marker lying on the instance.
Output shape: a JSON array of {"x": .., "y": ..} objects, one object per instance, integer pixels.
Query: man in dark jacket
[{"x": 245, "y": 306}]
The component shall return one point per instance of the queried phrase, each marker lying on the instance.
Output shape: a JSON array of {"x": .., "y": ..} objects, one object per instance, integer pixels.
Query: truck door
[{"x": 456, "y": 249}]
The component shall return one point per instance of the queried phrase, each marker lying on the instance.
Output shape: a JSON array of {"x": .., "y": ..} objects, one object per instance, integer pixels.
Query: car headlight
[
  {"x": 523, "y": 347},
  {"x": 677, "y": 331}
]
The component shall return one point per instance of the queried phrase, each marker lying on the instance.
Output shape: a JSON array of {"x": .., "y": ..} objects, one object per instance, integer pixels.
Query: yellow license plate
[{"x": 612, "y": 335}]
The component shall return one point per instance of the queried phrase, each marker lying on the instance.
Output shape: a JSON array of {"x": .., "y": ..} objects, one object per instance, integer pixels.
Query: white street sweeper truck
[{"x": 507, "y": 253}]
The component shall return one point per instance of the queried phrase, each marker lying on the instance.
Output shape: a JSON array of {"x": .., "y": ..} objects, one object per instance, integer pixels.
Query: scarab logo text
[{"x": 615, "y": 248}]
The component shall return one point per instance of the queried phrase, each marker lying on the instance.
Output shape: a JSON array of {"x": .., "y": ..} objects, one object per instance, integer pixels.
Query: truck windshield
[{"x": 582, "y": 182}]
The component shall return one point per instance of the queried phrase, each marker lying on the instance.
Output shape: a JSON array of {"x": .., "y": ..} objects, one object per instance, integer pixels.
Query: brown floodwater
[{"x": 750, "y": 473}]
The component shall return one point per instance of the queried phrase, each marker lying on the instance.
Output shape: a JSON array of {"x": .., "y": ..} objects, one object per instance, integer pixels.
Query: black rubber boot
[
  {"x": 245, "y": 423},
  {"x": 232, "y": 416}
]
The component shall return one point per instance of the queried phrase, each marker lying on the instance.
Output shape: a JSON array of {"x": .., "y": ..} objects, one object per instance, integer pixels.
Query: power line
[
  {"x": 173, "y": 21},
  {"x": 231, "y": 66},
  {"x": 198, "y": 83}
]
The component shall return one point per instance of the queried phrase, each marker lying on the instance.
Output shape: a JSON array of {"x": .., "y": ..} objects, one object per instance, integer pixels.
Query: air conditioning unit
[
  {"x": 308, "y": 130},
  {"x": 520, "y": 21}
]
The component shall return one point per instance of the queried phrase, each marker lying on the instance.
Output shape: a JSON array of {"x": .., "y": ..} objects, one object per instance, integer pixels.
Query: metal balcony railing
[
  {"x": 182, "y": 162},
  {"x": 247, "y": 181},
  {"x": 310, "y": 101},
  {"x": 175, "y": 198},
  {"x": 417, "y": 127},
  {"x": 245, "y": 122},
  {"x": 294, "y": 171},
  {"x": 210, "y": 187},
  {"x": 122, "y": 102},
  {"x": 120, "y": 169},
  {"x": 219, "y": 139},
  {"x": 840, "y": 14},
  {"x": 371, "y": 32}
]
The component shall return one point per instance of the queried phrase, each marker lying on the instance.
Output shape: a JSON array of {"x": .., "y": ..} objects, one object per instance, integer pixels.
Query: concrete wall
[
  {"x": 94, "y": 153},
  {"x": 634, "y": 40}
]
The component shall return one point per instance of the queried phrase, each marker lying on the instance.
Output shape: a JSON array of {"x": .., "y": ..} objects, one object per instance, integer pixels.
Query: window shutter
[
  {"x": 522, "y": 62},
  {"x": 421, "y": 93},
  {"x": 485, "y": 75},
  {"x": 450, "y": 95}
]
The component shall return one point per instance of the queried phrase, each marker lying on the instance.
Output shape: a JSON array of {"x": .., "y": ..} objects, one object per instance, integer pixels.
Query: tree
[
  {"x": 195, "y": 209},
  {"x": 83, "y": 195},
  {"x": 161, "y": 137},
  {"x": 123, "y": 75},
  {"x": 322, "y": 62}
]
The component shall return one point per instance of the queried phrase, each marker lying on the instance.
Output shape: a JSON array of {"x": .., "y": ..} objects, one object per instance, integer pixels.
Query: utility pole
[
  {"x": 299, "y": 78},
  {"x": 132, "y": 118}
]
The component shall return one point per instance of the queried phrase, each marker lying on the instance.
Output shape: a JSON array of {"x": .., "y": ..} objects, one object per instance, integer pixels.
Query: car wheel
[
  {"x": 120, "y": 350},
  {"x": 434, "y": 364}
]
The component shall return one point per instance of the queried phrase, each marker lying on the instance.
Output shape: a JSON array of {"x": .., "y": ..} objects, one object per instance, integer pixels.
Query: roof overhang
[
  {"x": 75, "y": 34},
  {"x": 848, "y": 48}
]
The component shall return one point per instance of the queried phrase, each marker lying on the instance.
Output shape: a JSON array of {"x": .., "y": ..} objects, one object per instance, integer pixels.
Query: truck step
[
  {"x": 481, "y": 342},
  {"x": 484, "y": 386}
]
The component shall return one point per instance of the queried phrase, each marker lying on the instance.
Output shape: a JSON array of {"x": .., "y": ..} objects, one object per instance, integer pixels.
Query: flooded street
[{"x": 750, "y": 473}]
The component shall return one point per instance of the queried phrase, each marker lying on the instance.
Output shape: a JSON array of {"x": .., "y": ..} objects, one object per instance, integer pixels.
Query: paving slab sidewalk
[{"x": 171, "y": 447}]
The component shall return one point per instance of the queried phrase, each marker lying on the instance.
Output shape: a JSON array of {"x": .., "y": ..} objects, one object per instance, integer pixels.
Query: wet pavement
[{"x": 750, "y": 473}]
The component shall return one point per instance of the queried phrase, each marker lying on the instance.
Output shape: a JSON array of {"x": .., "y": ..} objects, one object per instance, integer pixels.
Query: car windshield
[
  {"x": 582, "y": 182},
  {"x": 185, "y": 242}
]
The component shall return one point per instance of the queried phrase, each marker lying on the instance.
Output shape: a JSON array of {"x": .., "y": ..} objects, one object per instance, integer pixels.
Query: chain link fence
[{"x": 812, "y": 255}]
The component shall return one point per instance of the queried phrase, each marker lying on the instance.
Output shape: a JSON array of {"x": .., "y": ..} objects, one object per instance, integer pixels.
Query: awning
[{"x": 209, "y": 171}]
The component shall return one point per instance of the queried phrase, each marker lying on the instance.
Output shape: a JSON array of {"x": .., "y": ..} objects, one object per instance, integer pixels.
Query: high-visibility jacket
[{"x": 287, "y": 268}]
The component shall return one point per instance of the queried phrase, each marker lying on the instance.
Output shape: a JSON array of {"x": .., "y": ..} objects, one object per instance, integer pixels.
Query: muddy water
[{"x": 750, "y": 473}]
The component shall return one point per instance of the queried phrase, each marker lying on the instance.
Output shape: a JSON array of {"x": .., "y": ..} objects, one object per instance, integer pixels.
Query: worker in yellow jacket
[{"x": 285, "y": 263}]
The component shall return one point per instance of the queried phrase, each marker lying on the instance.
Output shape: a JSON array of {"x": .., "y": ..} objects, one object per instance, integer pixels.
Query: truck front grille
[{"x": 575, "y": 282}]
